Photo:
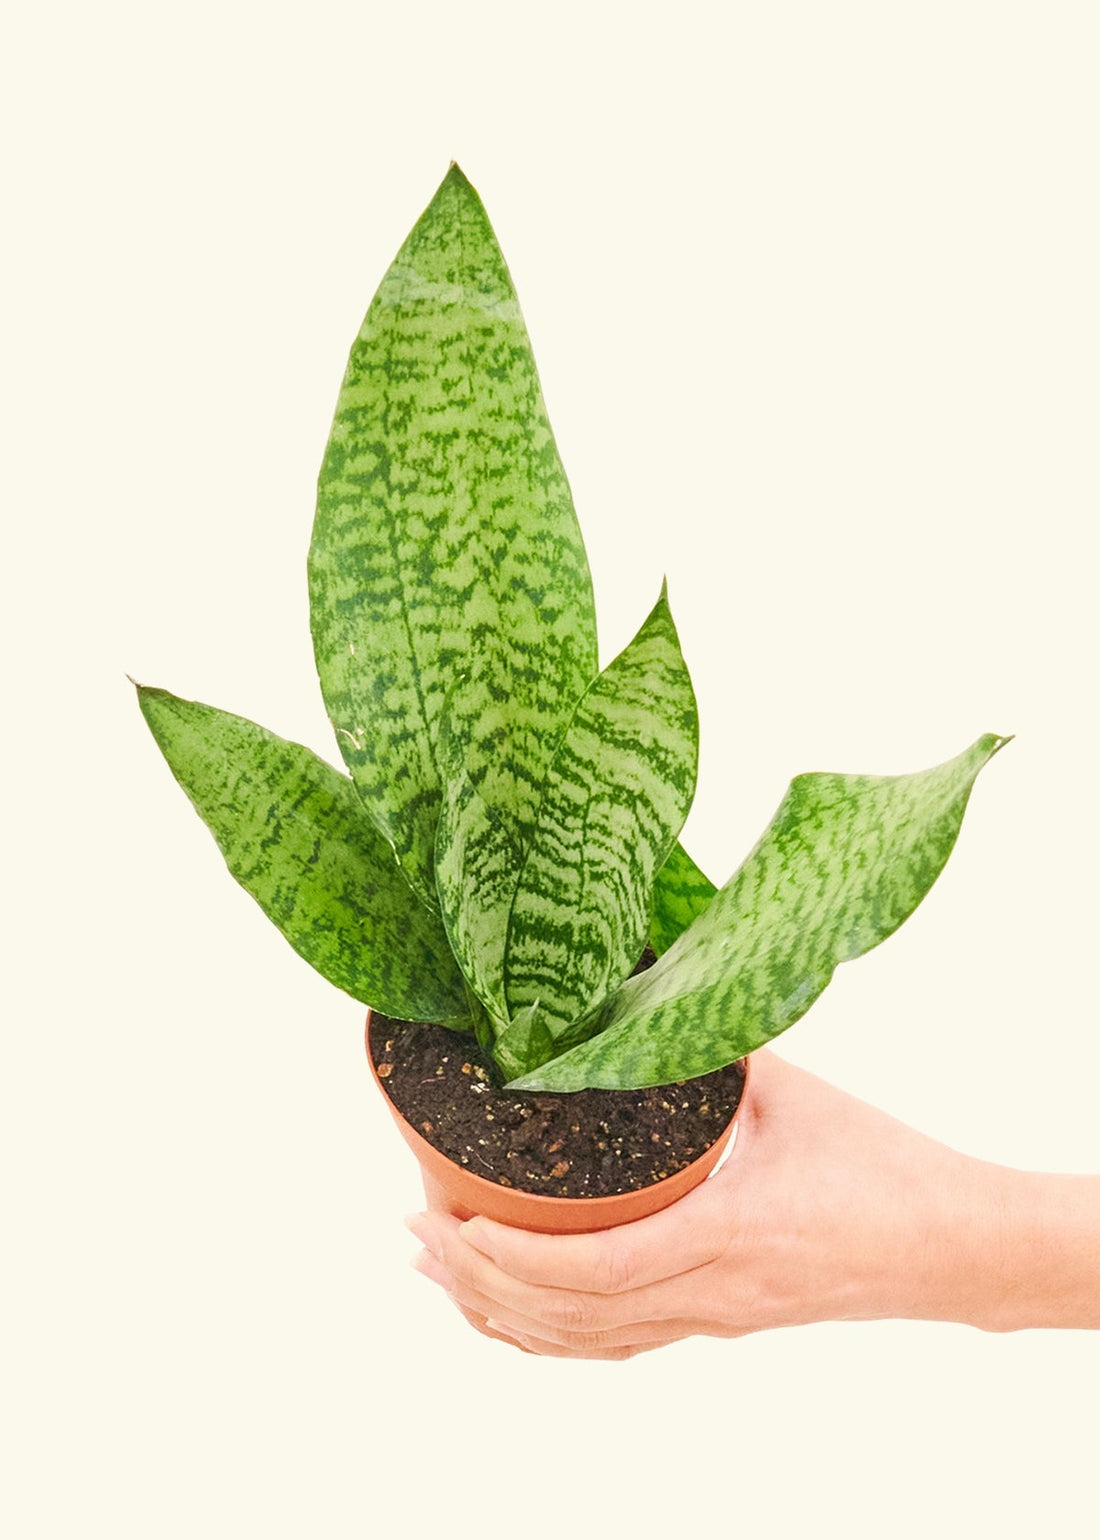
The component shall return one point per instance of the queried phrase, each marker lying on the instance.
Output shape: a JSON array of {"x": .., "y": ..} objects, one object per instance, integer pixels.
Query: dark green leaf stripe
[
  {"x": 294, "y": 835},
  {"x": 617, "y": 793},
  {"x": 444, "y": 518},
  {"x": 680, "y": 895},
  {"x": 844, "y": 862}
]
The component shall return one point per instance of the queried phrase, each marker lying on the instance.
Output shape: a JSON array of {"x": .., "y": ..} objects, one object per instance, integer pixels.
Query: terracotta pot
[{"x": 453, "y": 1189}]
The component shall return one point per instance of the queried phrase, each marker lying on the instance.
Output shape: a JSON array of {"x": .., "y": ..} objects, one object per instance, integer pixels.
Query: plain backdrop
[{"x": 813, "y": 294}]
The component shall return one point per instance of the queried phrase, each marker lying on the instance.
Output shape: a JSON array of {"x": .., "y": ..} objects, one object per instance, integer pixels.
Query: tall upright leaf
[
  {"x": 680, "y": 895},
  {"x": 294, "y": 835},
  {"x": 444, "y": 519},
  {"x": 616, "y": 796},
  {"x": 845, "y": 860}
]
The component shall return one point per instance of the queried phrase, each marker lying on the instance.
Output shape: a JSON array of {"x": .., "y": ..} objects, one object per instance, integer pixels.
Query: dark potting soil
[{"x": 580, "y": 1144}]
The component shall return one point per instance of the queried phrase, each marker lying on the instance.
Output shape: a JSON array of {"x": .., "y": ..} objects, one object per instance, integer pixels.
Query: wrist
[
  {"x": 950, "y": 1254},
  {"x": 1015, "y": 1249},
  {"x": 976, "y": 1286},
  {"x": 1049, "y": 1255}
]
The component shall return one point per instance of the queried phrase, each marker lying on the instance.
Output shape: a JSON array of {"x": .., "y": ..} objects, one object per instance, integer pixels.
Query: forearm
[
  {"x": 1050, "y": 1252},
  {"x": 1016, "y": 1249}
]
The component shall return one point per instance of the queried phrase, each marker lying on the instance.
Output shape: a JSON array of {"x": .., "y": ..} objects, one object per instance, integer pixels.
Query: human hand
[{"x": 827, "y": 1209}]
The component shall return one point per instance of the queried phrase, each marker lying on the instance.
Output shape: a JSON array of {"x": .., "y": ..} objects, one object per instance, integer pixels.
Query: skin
[{"x": 827, "y": 1210}]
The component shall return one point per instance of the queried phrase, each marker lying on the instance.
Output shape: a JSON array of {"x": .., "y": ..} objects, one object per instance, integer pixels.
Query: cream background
[{"x": 813, "y": 293}]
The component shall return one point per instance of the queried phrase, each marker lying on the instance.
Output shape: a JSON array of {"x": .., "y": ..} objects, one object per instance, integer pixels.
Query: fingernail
[
  {"x": 506, "y": 1331},
  {"x": 472, "y": 1232}
]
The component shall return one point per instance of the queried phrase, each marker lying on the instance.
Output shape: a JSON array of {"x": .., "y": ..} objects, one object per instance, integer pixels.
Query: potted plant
[{"x": 503, "y": 850}]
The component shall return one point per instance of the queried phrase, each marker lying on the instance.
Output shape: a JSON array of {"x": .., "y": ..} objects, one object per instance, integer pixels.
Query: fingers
[
  {"x": 558, "y": 1309},
  {"x": 613, "y": 1262},
  {"x": 425, "y": 1263},
  {"x": 542, "y": 1349},
  {"x": 540, "y": 1334},
  {"x": 546, "y": 1320},
  {"x": 538, "y": 1338}
]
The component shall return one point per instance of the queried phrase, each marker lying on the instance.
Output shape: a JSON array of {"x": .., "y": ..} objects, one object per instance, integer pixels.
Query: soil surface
[{"x": 579, "y": 1144}]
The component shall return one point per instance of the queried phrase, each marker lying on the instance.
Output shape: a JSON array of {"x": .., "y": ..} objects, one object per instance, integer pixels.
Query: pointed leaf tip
[{"x": 457, "y": 179}]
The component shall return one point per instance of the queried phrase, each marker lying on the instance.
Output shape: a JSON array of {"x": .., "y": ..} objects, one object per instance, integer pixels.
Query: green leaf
[
  {"x": 444, "y": 519},
  {"x": 526, "y": 1040},
  {"x": 680, "y": 895},
  {"x": 294, "y": 835},
  {"x": 618, "y": 790},
  {"x": 845, "y": 860}
]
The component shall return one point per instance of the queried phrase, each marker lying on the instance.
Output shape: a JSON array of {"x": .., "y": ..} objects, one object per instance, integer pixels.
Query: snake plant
[{"x": 503, "y": 843}]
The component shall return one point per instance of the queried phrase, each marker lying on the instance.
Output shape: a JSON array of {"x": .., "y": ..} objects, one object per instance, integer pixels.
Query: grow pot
[{"x": 456, "y": 1189}]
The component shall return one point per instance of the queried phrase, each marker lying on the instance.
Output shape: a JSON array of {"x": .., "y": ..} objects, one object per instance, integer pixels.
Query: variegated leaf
[
  {"x": 616, "y": 795},
  {"x": 524, "y": 1041},
  {"x": 845, "y": 860},
  {"x": 680, "y": 895},
  {"x": 295, "y": 836},
  {"x": 444, "y": 519}
]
